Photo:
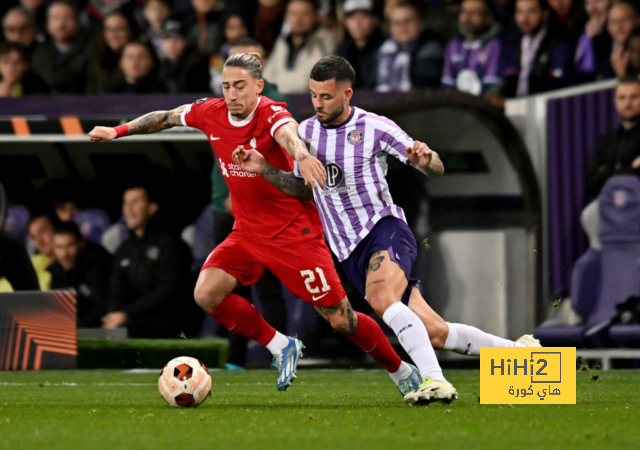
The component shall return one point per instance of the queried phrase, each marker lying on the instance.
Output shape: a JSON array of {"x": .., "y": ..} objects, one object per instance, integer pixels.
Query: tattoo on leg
[
  {"x": 376, "y": 282},
  {"x": 375, "y": 262},
  {"x": 353, "y": 320},
  {"x": 331, "y": 310}
]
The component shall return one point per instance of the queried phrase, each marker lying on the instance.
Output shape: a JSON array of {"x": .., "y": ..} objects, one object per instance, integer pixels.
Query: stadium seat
[
  {"x": 625, "y": 335},
  {"x": 604, "y": 278},
  {"x": 93, "y": 222},
  {"x": 17, "y": 221}
]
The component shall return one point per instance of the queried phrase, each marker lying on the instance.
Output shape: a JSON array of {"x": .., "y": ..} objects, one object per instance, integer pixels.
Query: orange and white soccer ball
[{"x": 185, "y": 382}]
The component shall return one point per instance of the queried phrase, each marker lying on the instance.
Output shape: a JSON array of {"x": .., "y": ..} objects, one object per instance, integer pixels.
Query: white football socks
[
  {"x": 404, "y": 371},
  {"x": 278, "y": 343},
  {"x": 414, "y": 338},
  {"x": 467, "y": 340}
]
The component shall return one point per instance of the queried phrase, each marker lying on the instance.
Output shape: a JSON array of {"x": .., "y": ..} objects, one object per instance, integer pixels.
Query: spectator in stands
[
  {"x": 138, "y": 71},
  {"x": 541, "y": 60},
  {"x": 410, "y": 58},
  {"x": 234, "y": 28},
  {"x": 82, "y": 266},
  {"x": 19, "y": 26},
  {"x": 184, "y": 68},
  {"x": 618, "y": 151},
  {"x": 473, "y": 60},
  {"x": 107, "y": 50},
  {"x": 16, "y": 79},
  {"x": 569, "y": 15},
  {"x": 205, "y": 29},
  {"x": 62, "y": 61},
  {"x": 623, "y": 18},
  {"x": 296, "y": 52},
  {"x": 97, "y": 10},
  {"x": 268, "y": 21},
  {"x": 363, "y": 41},
  {"x": 633, "y": 47},
  {"x": 66, "y": 199},
  {"x": 155, "y": 14},
  {"x": 38, "y": 10},
  {"x": 151, "y": 291},
  {"x": 593, "y": 54},
  {"x": 41, "y": 232}
]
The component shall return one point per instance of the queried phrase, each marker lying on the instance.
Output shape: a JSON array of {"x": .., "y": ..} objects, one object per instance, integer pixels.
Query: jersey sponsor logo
[
  {"x": 315, "y": 299},
  {"x": 233, "y": 170},
  {"x": 278, "y": 111},
  {"x": 201, "y": 101},
  {"x": 355, "y": 137},
  {"x": 334, "y": 175}
]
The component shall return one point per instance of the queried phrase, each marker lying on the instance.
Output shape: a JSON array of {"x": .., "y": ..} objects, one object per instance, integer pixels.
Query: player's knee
[
  {"x": 207, "y": 298},
  {"x": 437, "y": 337},
  {"x": 380, "y": 301}
]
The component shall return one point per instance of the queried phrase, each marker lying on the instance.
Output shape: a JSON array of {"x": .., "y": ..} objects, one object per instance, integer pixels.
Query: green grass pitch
[{"x": 324, "y": 409}]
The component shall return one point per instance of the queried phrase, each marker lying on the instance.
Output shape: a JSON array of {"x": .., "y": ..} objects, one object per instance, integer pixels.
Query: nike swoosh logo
[
  {"x": 319, "y": 297},
  {"x": 213, "y": 138}
]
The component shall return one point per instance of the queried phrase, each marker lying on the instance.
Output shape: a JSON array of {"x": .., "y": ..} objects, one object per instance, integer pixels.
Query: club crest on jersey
[
  {"x": 334, "y": 175},
  {"x": 201, "y": 101},
  {"x": 355, "y": 137},
  {"x": 253, "y": 143}
]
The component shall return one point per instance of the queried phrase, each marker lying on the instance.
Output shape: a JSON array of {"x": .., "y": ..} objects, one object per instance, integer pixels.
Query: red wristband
[{"x": 121, "y": 130}]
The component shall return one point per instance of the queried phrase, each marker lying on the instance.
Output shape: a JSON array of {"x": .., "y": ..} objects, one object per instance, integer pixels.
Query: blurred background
[{"x": 533, "y": 107}]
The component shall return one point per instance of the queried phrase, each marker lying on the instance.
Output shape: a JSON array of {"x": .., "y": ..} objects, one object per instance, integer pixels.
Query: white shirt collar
[{"x": 245, "y": 121}]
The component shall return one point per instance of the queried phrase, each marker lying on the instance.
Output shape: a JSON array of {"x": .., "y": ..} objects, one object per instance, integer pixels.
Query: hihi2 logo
[{"x": 527, "y": 376}]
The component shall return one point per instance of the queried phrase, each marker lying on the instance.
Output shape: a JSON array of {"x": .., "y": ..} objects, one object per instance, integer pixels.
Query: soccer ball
[{"x": 184, "y": 382}]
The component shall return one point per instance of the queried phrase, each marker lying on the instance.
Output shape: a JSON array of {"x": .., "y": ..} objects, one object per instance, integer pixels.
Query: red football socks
[
  {"x": 372, "y": 340},
  {"x": 241, "y": 317}
]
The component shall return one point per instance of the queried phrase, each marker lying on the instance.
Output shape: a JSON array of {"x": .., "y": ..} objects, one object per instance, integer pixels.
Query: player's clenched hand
[
  {"x": 250, "y": 160},
  {"x": 312, "y": 171},
  {"x": 420, "y": 153},
  {"x": 102, "y": 134}
]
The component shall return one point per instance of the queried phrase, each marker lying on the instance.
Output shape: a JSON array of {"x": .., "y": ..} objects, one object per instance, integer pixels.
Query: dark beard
[
  {"x": 634, "y": 120},
  {"x": 330, "y": 118}
]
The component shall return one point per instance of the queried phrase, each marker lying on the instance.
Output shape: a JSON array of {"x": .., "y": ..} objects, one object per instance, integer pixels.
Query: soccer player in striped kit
[{"x": 365, "y": 229}]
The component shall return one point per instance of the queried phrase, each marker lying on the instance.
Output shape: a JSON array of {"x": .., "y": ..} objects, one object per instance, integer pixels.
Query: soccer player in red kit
[{"x": 271, "y": 230}]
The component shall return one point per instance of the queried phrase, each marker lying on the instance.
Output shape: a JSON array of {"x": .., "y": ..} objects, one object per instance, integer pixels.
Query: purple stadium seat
[
  {"x": 619, "y": 205},
  {"x": 93, "y": 222},
  {"x": 625, "y": 335},
  {"x": 17, "y": 221},
  {"x": 585, "y": 281},
  {"x": 603, "y": 278}
]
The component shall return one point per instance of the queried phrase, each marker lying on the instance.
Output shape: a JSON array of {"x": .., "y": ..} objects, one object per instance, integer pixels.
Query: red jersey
[{"x": 259, "y": 209}]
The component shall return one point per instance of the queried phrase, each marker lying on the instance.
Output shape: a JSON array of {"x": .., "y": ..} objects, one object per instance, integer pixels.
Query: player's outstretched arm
[
  {"x": 147, "y": 124},
  {"x": 425, "y": 160},
  {"x": 311, "y": 169},
  {"x": 252, "y": 161}
]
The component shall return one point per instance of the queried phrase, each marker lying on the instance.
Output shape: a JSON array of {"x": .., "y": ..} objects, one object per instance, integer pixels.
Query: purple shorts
[{"x": 393, "y": 235}]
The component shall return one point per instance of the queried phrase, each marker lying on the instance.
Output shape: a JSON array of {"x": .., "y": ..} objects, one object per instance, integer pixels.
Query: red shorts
[{"x": 306, "y": 268}]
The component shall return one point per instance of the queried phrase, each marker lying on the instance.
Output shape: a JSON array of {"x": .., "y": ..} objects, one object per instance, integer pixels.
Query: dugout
[{"x": 482, "y": 219}]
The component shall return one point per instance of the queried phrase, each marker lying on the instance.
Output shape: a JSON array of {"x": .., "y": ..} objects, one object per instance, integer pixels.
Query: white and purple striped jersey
[{"x": 354, "y": 155}]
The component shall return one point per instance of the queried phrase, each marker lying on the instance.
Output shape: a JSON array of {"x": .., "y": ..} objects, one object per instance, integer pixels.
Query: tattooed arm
[
  {"x": 149, "y": 123},
  {"x": 425, "y": 160},
  {"x": 253, "y": 162},
  {"x": 287, "y": 182},
  {"x": 310, "y": 168}
]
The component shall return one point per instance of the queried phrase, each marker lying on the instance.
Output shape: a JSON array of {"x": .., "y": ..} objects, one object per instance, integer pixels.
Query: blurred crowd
[{"x": 494, "y": 48}]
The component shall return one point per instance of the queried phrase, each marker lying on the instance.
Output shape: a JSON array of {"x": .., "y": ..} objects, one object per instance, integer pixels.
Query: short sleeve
[
  {"x": 394, "y": 140},
  {"x": 277, "y": 115},
  {"x": 192, "y": 115}
]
